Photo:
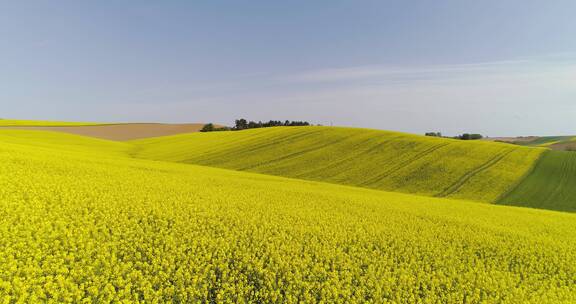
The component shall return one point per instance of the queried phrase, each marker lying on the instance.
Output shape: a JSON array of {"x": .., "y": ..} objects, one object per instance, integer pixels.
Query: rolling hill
[
  {"x": 118, "y": 132},
  {"x": 382, "y": 160},
  {"x": 82, "y": 221}
]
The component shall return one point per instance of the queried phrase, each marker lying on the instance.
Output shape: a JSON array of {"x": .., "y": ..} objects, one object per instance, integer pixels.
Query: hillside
[
  {"x": 375, "y": 159},
  {"x": 118, "y": 132},
  {"x": 551, "y": 185},
  {"x": 101, "y": 227}
]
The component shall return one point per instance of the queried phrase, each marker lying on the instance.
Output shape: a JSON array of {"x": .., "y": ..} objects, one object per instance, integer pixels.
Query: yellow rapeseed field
[
  {"x": 382, "y": 160},
  {"x": 82, "y": 222}
]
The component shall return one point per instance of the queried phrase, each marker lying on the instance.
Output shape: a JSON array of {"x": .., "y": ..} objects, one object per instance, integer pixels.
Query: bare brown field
[
  {"x": 564, "y": 146},
  {"x": 121, "y": 132}
]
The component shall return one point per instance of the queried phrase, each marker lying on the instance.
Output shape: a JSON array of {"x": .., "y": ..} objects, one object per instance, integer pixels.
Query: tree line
[
  {"x": 465, "y": 136},
  {"x": 243, "y": 124}
]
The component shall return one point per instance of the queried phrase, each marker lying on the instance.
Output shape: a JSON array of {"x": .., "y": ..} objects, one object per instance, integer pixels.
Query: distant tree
[
  {"x": 253, "y": 125},
  {"x": 433, "y": 134},
  {"x": 298, "y": 123},
  {"x": 468, "y": 136},
  {"x": 241, "y": 124},
  {"x": 209, "y": 127}
]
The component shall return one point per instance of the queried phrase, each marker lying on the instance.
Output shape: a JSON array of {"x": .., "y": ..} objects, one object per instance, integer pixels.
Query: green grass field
[
  {"x": 43, "y": 123},
  {"x": 359, "y": 157},
  {"x": 81, "y": 221},
  {"x": 551, "y": 185}
]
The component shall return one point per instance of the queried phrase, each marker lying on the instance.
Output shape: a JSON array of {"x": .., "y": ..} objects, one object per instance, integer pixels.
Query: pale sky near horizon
[{"x": 494, "y": 67}]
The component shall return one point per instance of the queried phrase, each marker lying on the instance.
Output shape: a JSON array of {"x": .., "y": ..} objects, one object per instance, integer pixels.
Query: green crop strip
[{"x": 551, "y": 185}]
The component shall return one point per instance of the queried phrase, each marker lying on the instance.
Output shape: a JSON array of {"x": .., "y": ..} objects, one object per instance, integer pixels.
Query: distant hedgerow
[{"x": 243, "y": 124}]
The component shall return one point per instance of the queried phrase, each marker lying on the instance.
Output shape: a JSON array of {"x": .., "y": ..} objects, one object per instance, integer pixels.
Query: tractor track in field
[
  {"x": 264, "y": 145},
  {"x": 351, "y": 157},
  {"x": 403, "y": 164},
  {"x": 464, "y": 179},
  {"x": 388, "y": 161},
  {"x": 231, "y": 143},
  {"x": 294, "y": 154}
]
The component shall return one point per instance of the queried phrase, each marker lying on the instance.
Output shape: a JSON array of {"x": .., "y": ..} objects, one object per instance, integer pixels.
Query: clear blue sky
[{"x": 495, "y": 67}]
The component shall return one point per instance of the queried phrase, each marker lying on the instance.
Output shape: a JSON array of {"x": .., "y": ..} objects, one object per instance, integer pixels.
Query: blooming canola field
[
  {"x": 81, "y": 221},
  {"x": 383, "y": 160}
]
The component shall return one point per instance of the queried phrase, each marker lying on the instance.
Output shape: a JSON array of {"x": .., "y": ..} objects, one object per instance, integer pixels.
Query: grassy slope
[
  {"x": 43, "y": 123},
  {"x": 77, "y": 226},
  {"x": 551, "y": 185},
  {"x": 358, "y": 157}
]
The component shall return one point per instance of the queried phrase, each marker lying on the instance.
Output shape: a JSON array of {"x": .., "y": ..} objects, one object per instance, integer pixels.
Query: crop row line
[
  {"x": 464, "y": 179},
  {"x": 403, "y": 164},
  {"x": 294, "y": 154}
]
